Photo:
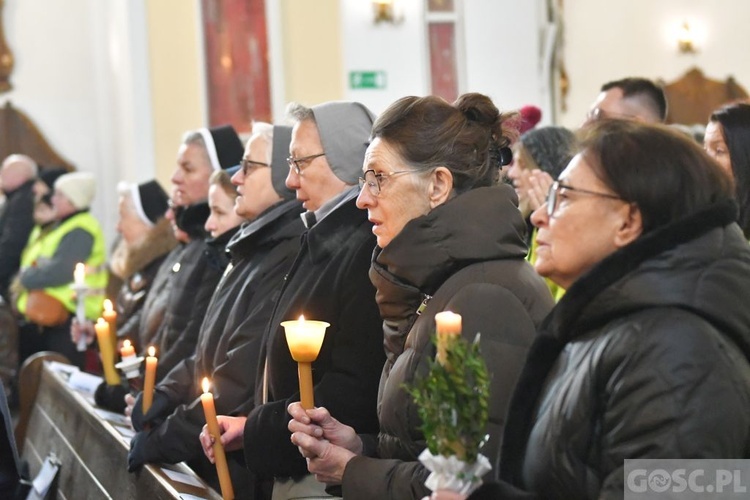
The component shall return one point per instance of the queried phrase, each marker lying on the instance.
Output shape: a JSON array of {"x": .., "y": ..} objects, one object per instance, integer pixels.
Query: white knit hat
[{"x": 78, "y": 187}]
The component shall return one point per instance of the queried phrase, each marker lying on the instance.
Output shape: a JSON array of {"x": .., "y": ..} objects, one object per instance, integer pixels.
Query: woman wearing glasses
[
  {"x": 646, "y": 356},
  {"x": 448, "y": 238}
]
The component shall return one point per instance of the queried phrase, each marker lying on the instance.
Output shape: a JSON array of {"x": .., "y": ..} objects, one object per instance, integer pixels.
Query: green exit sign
[{"x": 367, "y": 79}]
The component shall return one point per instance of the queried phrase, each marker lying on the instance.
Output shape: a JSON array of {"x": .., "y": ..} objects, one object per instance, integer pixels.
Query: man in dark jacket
[
  {"x": 229, "y": 343},
  {"x": 17, "y": 177},
  {"x": 327, "y": 282}
]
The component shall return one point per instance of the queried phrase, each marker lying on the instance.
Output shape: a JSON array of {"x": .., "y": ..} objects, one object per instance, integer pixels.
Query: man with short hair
[
  {"x": 631, "y": 98},
  {"x": 17, "y": 176},
  {"x": 230, "y": 336},
  {"x": 328, "y": 281}
]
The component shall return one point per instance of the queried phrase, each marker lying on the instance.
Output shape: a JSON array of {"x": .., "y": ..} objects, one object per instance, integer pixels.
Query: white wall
[
  {"x": 499, "y": 56},
  {"x": 400, "y": 50},
  {"x": 608, "y": 40},
  {"x": 80, "y": 76},
  {"x": 503, "y": 52}
]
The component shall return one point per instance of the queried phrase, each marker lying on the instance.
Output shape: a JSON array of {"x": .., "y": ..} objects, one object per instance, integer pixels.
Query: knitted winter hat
[
  {"x": 282, "y": 136},
  {"x": 78, "y": 187},
  {"x": 344, "y": 129},
  {"x": 150, "y": 200},
  {"x": 530, "y": 116},
  {"x": 223, "y": 146},
  {"x": 49, "y": 175},
  {"x": 550, "y": 147}
]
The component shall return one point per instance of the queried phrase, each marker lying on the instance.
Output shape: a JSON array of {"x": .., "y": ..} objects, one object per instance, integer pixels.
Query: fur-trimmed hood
[{"x": 127, "y": 260}]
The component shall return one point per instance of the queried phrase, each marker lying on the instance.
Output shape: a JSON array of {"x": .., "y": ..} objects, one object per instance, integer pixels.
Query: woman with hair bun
[{"x": 448, "y": 238}]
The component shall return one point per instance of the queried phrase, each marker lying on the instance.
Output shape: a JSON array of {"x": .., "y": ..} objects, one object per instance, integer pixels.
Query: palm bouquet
[{"x": 452, "y": 401}]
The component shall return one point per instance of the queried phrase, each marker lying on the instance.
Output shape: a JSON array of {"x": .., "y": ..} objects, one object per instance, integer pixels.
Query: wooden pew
[{"x": 92, "y": 451}]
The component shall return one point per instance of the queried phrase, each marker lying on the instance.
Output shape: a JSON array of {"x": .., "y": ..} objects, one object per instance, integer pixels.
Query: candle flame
[
  {"x": 152, "y": 351},
  {"x": 301, "y": 318},
  {"x": 126, "y": 344},
  {"x": 101, "y": 321},
  {"x": 205, "y": 384},
  {"x": 107, "y": 305}
]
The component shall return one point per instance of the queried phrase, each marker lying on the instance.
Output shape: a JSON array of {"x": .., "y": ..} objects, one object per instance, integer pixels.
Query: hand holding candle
[
  {"x": 448, "y": 326},
  {"x": 106, "y": 351},
  {"x": 209, "y": 410},
  {"x": 149, "y": 380},
  {"x": 305, "y": 339}
]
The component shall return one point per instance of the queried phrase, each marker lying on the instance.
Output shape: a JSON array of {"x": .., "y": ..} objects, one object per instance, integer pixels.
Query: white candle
[{"x": 79, "y": 275}]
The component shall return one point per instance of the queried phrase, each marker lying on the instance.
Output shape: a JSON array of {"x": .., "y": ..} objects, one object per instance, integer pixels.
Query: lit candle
[
  {"x": 79, "y": 274},
  {"x": 305, "y": 339},
  {"x": 106, "y": 351},
  {"x": 149, "y": 380},
  {"x": 209, "y": 410},
  {"x": 448, "y": 325},
  {"x": 127, "y": 350},
  {"x": 110, "y": 315}
]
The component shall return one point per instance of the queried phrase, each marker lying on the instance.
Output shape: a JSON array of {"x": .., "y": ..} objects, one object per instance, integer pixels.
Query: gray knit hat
[
  {"x": 550, "y": 147},
  {"x": 344, "y": 129},
  {"x": 282, "y": 136}
]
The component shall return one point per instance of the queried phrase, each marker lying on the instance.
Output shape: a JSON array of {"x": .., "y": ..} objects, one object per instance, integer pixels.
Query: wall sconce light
[
  {"x": 385, "y": 11},
  {"x": 686, "y": 39}
]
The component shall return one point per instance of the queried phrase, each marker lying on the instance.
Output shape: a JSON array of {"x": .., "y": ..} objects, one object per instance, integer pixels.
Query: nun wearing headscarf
[
  {"x": 229, "y": 341},
  {"x": 328, "y": 282}
]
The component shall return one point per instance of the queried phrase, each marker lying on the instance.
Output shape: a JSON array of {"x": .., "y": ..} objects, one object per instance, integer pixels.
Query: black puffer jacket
[
  {"x": 469, "y": 255},
  {"x": 229, "y": 343},
  {"x": 646, "y": 356}
]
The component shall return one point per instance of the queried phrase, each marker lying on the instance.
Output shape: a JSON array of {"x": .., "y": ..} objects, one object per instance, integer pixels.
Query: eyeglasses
[
  {"x": 553, "y": 197},
  {"x": 597, "y": 113},
  {"x": 247, "y": 165},
  {"x": 374, "y": 182},
  {"x": 298, "y": 163}
]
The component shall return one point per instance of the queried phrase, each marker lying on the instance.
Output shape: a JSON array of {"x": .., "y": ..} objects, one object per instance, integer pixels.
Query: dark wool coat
[
  {"x": 137, "y": 266},
  {"x": 646, "y": 356},
  {"x": 469, "y": 256},
  {"x": 229, "y": 343},
  {"x": 155, "y": 304},
  {"x": 327, "y": 282},
  {"x": 194, "y": 279},
  {"x": 16, "y": 223}
]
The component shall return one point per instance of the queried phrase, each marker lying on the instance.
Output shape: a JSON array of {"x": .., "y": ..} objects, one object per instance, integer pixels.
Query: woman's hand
[
  {"x": 324, "y": 459},
  {"x": 129, "y": 403},
  {"x": 77, "y": 329},
  {"x": 540, "y": 181},
  {"x": 232, "y": 435},
  {"x": 318, "y": 423}
]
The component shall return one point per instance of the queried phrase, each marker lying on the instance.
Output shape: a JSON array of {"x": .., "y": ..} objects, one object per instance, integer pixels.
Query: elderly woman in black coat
[
  {"x": 646, "y": 356},
  {"x": 448, "y": 238}
]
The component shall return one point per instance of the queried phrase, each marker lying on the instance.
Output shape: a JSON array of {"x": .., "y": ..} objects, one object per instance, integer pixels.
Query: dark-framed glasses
[
  {"x": 299, "y": 163},
  {"x": 553, "y": 196},
  {"x": 374, "y": 181},
  {"x": 248, "y": 165}
]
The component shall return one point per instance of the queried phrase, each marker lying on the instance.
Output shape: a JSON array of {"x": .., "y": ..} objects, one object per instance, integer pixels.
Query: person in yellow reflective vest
[{"x": 76, "y": 237}]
